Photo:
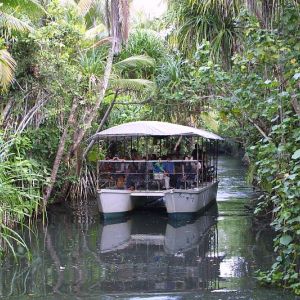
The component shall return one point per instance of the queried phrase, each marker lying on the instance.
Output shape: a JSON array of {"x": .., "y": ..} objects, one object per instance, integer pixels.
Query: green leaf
[
  {"x": 224, "y": 117},
  {"x": 296, "y": 76},
  {"x": 285, "y": 239},
  {"x": 296, "y": 154},
  {"x": 137, "y": 61}
]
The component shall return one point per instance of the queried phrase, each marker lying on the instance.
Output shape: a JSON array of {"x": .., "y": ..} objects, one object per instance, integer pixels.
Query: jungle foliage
[
  {"x": 229, "y": 66},
  {"x": 256, "y": 96}
]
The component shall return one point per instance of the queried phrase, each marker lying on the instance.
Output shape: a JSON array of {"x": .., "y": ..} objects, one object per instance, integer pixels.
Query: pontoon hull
[
  {"x": 185, "y": 203},
  {"x": 179, "y": 203},
  {"x": 114, "y": 203}
]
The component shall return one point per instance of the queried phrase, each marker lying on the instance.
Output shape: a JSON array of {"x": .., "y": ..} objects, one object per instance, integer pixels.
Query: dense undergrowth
[{"x": 21, "y": 181}]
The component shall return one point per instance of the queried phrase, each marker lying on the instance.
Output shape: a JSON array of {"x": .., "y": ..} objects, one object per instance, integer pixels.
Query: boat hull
[
  {"x": 179, "y": 203},
  {"x": 114, "y": 203},
  {"x": 187, "y": 203}
]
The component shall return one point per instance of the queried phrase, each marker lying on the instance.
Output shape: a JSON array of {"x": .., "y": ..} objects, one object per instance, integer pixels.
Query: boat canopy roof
[{"x": 152, "y": 129}]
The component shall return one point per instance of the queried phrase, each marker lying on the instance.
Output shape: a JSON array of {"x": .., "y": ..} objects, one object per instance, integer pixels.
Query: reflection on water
[
  {"x": 180, "y": 257},
  {"x": 148, "y": 256}
]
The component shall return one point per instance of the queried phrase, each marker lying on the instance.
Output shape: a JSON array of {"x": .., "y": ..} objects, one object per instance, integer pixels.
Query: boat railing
[{"x": 147, "y": 175}]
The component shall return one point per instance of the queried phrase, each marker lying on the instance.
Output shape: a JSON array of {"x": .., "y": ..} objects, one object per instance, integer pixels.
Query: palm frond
[
  {"x": 7, "y": 68},
  {"x": 137, "y": 61},
  {"x": 12, "y": 23},
  {"x": 138, "y": 85},
  {"x": 32, "y": 7},
  {"x": 84, "y": 6}
]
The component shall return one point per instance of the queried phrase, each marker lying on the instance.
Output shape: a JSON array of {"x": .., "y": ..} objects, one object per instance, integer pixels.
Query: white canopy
[{"x": 152, "y": 129}]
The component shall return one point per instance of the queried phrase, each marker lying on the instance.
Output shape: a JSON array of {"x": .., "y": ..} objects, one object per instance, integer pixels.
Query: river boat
[{"x": 127, "y": 177}]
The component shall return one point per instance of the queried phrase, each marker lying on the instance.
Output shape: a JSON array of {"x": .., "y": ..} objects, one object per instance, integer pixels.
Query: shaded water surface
[{"x": 147, "y": 256}]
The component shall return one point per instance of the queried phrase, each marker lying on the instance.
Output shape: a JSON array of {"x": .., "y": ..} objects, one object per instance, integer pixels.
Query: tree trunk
[
  {"x": 59, "y": 154},
  {"x": 6, "y": 110},
  {"x": 107, "y": 113},
  {"x": 296, "y": 106},
  {"x": 116, "y": 24},
  {"x": 29, "y": 115},
  {"x": 56, "y": 261},
  {"x": 87, "y": 123}
]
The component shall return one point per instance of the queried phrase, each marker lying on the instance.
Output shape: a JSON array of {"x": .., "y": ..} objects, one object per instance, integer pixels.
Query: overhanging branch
[{"x": 134, "y": 103}]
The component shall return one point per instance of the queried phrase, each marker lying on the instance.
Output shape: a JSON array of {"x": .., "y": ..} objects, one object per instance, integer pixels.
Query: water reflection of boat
[
  {"x": 114, "y": 235},
  {"x": 163, "y": 256},
  {"x": 182, "y": 238}
]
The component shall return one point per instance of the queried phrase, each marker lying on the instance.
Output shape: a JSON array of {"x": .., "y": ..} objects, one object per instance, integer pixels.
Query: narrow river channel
[{"x": 147, "y": 256}]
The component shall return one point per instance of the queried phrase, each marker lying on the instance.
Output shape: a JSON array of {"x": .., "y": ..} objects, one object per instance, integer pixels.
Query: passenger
[
  {"x": 159, "y": 173},
  {"x": 137, "y": 172},
  {"x": 135, "y": 155},
  {"x": 196, "y": 150},
  {"x": 203, "y": 159},
  {"x": 186, "y": 172},
  {"x": 177, "y": 168},
  {"x": 131, "y": 171},
  {"x": 195, "y": 166},
  {"x": 107, "y": 168},
  {"x": 176, "y": 156},
  {"x": 158, "y": 167},
  {"x": 204, "y": 166},
  {"x": 118, "y": 171},
  {"x": 142, "y": 166},
  {"x": 116, "y": 164},
  {"x": 150, "y": 164},
  {"x": 126, "y": 164},
  {"x": 169, "y": 170},
  {"x": 188, "y": 169}
]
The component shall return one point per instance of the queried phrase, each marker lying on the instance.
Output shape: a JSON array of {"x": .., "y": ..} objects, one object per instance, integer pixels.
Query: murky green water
[{"x": 147, "y": 256}]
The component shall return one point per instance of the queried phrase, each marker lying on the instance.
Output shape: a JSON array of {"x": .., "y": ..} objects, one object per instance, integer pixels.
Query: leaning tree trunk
[
  {"x": 92, "y": 142},
  {"x": 59, "y": 154},
  {"x": 91, "y": 113},
  {"x": 118, "y": 21}
]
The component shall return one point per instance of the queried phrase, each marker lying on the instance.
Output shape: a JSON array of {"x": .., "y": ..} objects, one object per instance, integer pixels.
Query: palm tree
[
  {"x": 198, "y": 20},
  {"x": 7, "y": 67},
  {"x": 217, "y": 21},
  {"x": 13, "y": 21}
]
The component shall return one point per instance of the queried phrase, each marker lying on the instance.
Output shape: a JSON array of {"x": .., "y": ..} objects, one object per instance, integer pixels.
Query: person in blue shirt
[
  {"x": 186, "y": 172},
  {"x": 168, "y": 166}
]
